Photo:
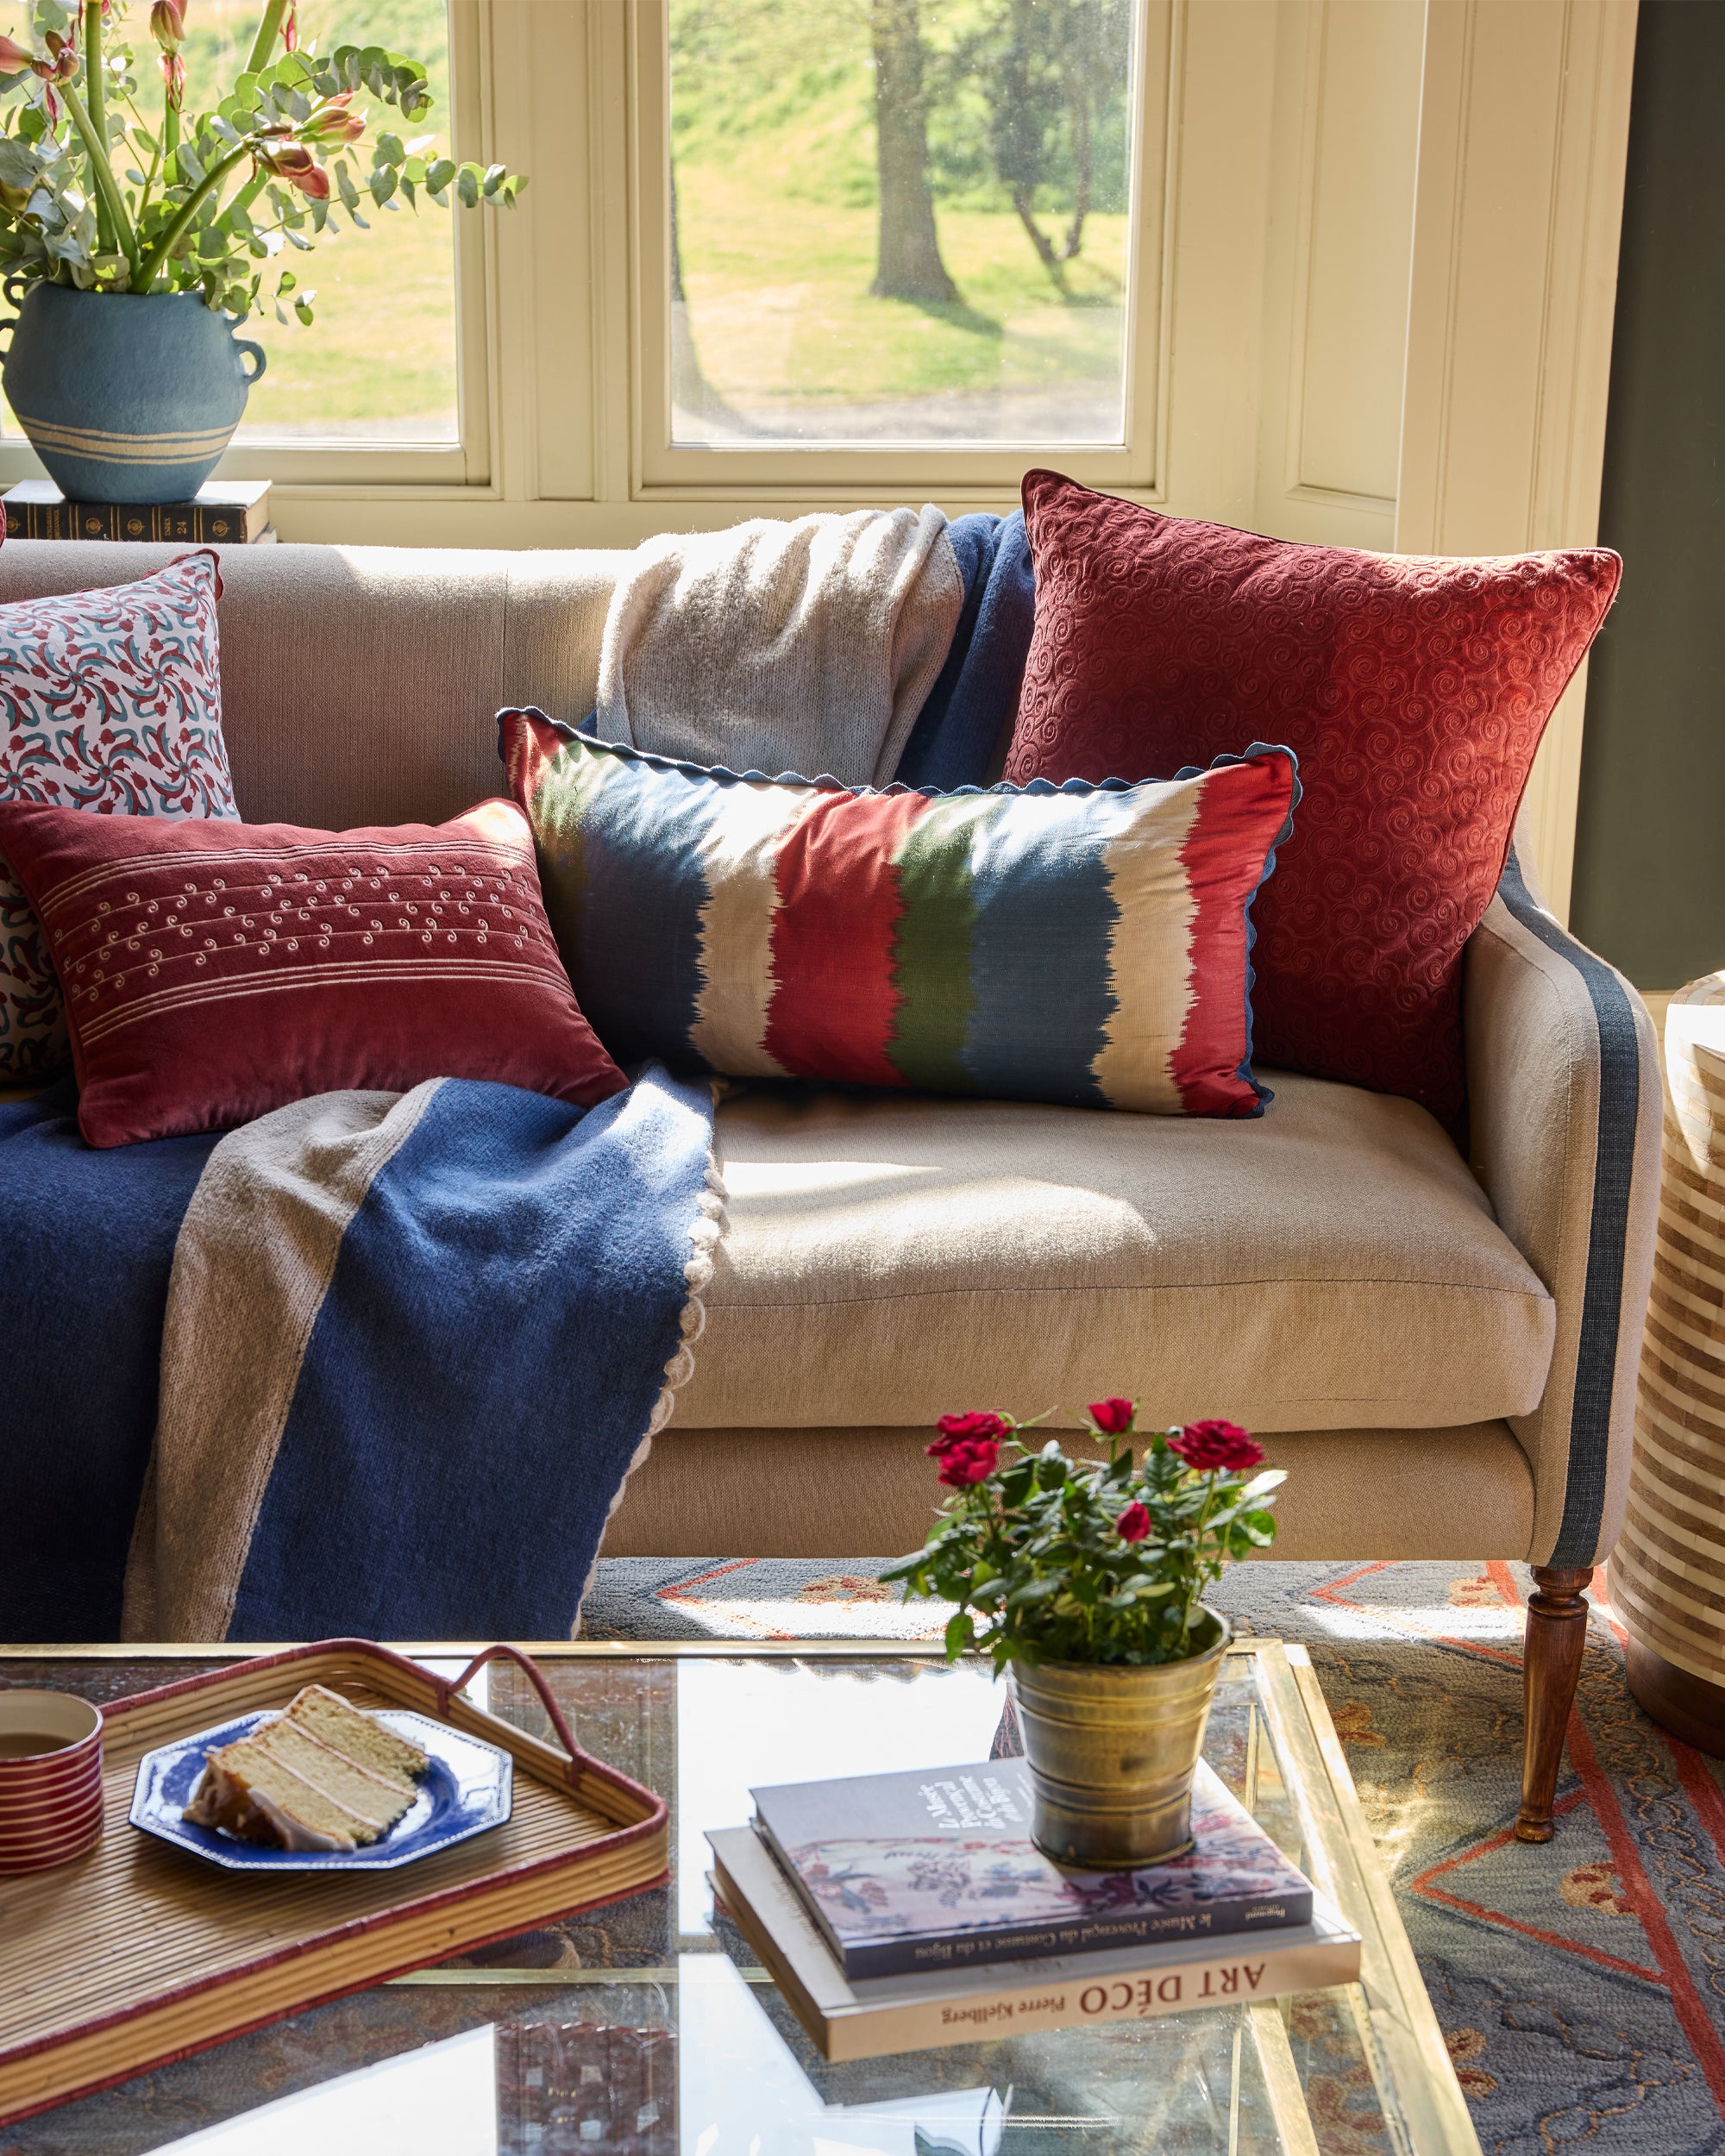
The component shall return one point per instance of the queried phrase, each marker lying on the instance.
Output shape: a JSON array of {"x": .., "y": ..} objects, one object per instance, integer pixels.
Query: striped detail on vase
[
  {"x": 1668, "y": 1569},
  {"x": 127, "y": 449},
  {"x": 1085, "y": 944}
]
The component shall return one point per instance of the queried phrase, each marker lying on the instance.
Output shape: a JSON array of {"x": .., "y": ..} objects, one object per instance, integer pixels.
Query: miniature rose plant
[
  {"x": 102, "y": 195},
  {"x": 1054, "y": 1559}
]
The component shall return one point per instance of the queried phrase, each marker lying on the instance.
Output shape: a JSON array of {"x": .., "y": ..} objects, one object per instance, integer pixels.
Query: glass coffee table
[{"x": 647, "y": 2028}]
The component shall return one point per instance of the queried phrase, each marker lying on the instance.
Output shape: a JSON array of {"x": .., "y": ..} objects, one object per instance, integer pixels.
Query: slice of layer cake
[{"x": 322, "y": 1776}]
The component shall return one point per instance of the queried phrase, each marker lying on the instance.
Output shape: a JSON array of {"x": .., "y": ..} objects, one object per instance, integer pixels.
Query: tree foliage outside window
[{"x": 899, "y": 219}]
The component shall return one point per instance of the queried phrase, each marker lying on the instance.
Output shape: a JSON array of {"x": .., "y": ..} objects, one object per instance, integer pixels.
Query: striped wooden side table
[{"x": 1668, "y": 1572}]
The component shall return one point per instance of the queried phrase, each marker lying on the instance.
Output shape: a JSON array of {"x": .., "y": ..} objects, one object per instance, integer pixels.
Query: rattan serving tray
[{"x": 136, "y": 1953}]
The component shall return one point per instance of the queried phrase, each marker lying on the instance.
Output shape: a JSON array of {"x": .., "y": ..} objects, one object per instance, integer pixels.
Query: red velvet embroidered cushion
[
  {"x": 214, "y": 971},
  {"x": 1413, "y": 691}
]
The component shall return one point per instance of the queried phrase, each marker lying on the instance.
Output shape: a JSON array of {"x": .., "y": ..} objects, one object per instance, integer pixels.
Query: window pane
[
  {"x": 378, "y": 362},
  {"x": 899, "y": 220}
]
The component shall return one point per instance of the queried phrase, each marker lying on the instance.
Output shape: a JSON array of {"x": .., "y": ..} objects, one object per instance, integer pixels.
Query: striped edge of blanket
[
  {"x": 414, "y": 1346},
  {"x": 706, "y": 1232},
  {"x": 220, "y": 1413}
]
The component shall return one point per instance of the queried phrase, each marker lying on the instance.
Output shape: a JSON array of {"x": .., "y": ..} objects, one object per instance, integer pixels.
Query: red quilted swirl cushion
[
  {"x": 214, "y": 971},
  {"x": 1413, "y": 691}
]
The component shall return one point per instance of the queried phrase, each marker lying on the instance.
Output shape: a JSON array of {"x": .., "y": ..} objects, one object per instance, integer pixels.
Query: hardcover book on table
[
  {"x": 936, "y": 1871},
  {"x": 871, "y": 2017}
]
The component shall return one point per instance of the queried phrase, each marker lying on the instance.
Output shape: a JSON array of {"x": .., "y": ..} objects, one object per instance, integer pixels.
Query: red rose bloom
[
  {"x": 956, "y": 1429},
  {"x": 966, "y": 1460},
  {"x": 1212, "y": 1447},
  {"x": 1133, "y": 1524},
  {"x": 1111, "y": 1417}
]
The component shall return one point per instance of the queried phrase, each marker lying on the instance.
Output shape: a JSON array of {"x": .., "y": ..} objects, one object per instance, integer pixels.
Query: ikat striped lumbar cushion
[{"x": 1084, "y": 944}]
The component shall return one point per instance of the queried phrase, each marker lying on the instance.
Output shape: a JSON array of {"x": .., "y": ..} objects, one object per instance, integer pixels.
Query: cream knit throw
[{"x": 806, "y": 646}]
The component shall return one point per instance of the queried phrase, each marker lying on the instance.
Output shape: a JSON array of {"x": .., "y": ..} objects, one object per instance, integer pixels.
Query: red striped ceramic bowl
[{"x": 50, "y": 1778}]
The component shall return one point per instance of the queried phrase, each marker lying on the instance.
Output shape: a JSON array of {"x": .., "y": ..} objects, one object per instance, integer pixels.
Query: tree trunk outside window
[
  {"x": 910, "y": 266},
  {"x": 689, "y": 386}
]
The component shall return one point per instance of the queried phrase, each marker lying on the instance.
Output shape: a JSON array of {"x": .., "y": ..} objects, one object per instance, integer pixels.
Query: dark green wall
[{"x": 1649, "y": 887}]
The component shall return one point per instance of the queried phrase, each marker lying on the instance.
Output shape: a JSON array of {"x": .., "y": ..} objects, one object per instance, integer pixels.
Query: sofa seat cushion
[{"x": 1330, "y": 1266}]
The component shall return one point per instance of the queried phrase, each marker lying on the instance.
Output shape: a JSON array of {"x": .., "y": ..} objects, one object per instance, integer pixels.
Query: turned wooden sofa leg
[{"x": 1551, "y": 1667}]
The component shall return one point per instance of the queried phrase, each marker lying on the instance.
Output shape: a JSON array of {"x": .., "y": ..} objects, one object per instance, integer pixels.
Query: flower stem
[
  {"x": 269, "y": 29},
  {"x": 1197, "y": 1554},
  {"x": 156, "y": 259},
  {"x": 107, "y": 188},
  {"x": 96, "y": 93}
]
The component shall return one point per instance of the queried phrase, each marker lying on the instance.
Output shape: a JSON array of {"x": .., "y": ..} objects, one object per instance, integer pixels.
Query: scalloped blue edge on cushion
[{"x": 990, "y": 941}]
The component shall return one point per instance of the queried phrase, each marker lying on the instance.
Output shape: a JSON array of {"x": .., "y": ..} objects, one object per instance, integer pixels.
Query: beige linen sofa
[{"x": 1442, "y": 1352}]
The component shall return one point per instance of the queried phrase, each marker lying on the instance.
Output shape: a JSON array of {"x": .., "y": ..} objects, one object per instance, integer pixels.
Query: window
[{"x": 890, "y": 224}]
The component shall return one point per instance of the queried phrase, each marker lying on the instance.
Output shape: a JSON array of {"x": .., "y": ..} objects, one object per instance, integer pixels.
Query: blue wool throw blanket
[{"x": 397, "y": 1354}]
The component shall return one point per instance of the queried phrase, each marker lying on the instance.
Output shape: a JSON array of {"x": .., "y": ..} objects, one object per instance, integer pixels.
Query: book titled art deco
[
  {"x": 870, "y": 2017},
  {"x": 936, "y": 1871}
]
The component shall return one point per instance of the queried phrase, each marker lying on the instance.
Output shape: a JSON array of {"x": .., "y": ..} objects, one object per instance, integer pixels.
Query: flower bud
[
  {"x": 13, "y": 59},
  {"x": 290, "y": 29},
  {"x": 1133, "y": 1524},
  {"x": 295, "y": 164},
  {"x": 173, "y": 77},
  {"x": 167, "y": 25},
  {"x": 333, "y": 123}
]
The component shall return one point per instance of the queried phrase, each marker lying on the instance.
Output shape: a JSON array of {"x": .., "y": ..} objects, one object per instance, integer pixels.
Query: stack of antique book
[
  {"x": 897, "y": 1912},
  {"x": 231, "y": 512}
]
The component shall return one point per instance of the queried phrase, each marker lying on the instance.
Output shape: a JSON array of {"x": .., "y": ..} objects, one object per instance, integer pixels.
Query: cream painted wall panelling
[{"x": 1524, "y": 131}]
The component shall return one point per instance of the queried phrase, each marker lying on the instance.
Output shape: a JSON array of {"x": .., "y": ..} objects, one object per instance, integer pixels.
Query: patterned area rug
[{"x": 1582, "y": 1985}]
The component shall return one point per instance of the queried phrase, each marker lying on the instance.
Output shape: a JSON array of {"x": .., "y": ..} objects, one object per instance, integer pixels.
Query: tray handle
[{"x": 448, "y": 1686}]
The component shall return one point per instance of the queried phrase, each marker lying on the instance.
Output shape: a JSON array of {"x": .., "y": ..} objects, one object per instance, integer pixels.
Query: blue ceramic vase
[{"x": 126, "y": 396}]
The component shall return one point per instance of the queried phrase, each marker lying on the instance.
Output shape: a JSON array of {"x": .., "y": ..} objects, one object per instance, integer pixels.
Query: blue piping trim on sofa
[{"x": 1601, "y": 1302}]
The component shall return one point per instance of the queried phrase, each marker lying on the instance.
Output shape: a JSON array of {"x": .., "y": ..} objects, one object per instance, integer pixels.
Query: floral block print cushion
[
  {"x": 113, "y": 703},
  {"x": 1084, "y": 944}
]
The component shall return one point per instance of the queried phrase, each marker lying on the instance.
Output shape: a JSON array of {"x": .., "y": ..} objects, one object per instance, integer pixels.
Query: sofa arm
[{"x": 1564, "y": 1098}]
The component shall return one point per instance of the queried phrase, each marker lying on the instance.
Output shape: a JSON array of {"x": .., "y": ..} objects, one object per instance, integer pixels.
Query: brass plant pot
[{"x": 1112, "y": 1752}]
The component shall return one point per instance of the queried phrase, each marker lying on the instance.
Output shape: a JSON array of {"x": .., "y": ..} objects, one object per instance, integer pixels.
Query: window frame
[
  {"x": 356, "y": 466},
  {"x": 663, "y": 472}
]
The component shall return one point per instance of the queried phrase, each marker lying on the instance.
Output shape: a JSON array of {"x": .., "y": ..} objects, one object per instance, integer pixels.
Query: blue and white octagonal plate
[{"x": 468, "y": 1789}]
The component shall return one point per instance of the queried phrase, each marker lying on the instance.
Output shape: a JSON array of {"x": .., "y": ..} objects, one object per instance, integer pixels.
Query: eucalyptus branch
[
  {"x": 246, "y": 196},
  {"x": 126, "y": 229},
  {"x": 186, "y": 215},
  {"x": 107, "y": 188}
]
